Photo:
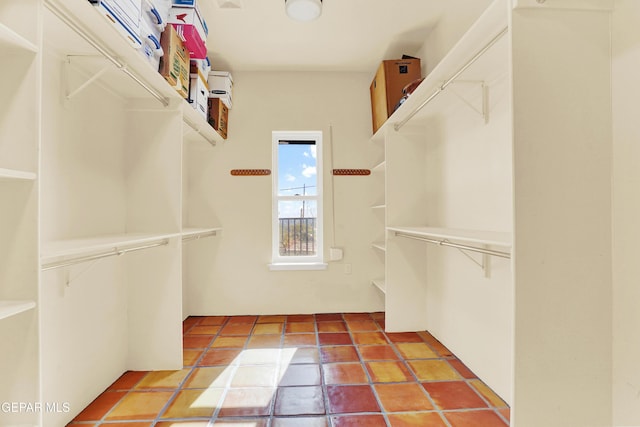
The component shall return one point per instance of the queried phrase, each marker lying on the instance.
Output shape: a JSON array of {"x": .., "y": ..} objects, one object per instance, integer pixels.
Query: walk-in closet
[{"x": 470, "y": 260}]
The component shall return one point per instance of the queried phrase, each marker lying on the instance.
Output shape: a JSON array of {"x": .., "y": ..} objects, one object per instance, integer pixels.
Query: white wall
[
  {"x": 626, "y": 211},
  {"x": 237, "y": 280},
  {"x": 83, "y": 310},
  {"x": 456, "y": 20},
  {"x": 470, "y": 187}
]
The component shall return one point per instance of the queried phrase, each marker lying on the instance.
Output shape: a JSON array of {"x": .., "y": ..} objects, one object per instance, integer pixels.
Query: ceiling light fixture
[{"x": 303, "y": 10}]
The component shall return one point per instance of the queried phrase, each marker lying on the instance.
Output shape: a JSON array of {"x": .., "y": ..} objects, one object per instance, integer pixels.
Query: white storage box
[
  {"x": 221, "y": 86},
  {"x": 125, "y": 15},
  {"x": 199, "y": 94},
  {"x": 151, "y": 48},
  {"x": 152, "y": 24}
]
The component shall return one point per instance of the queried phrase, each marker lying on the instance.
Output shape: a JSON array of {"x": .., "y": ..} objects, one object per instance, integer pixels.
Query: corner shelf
[
  {"x": 380, "y": 285},
  {"x": 12, "y": 308},
  {"x": 380, "y": 167},
  {"x": 381, "y": 246},
  {"x": 13, "y": 174}
]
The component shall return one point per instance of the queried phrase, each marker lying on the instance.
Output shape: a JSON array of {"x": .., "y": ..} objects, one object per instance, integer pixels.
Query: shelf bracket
[
  {"x": 484, "y": 107},
  {"x": 69, "y": 93},
  {"x": 484, "y": 264}
]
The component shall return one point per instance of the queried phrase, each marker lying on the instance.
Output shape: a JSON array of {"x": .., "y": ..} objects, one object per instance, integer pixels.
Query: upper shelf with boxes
[
  {"x": 393, "y": 82},
  {"x": 139, "y": 49}
]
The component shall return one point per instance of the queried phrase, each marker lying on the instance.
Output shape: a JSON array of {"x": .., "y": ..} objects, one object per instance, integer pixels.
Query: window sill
[{"x": 291, "y": 266}]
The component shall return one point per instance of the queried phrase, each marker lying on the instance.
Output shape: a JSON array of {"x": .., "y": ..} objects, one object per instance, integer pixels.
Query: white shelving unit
[
  {"x": 19, "y": 141},
  {"x": 94, "y": 164},
  {"x": 378, "y": 208},
  {"x": 484, "y": 144}
]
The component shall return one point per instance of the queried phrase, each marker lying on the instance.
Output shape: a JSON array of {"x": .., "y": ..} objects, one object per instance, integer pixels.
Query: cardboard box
[
  {"x": 218, "y": 116},
  {"x": 221, "y": 86},
  {"x": 199, "y": 94},
  {"x": 125, "y": 15},
  {"x": 192, "y": 27},
  {"x": 174, "y": 64},
  {"x": 386, "y": 87}
]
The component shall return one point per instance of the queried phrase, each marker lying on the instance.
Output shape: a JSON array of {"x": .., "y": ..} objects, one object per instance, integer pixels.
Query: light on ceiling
[{"x": 303, "y": 10}]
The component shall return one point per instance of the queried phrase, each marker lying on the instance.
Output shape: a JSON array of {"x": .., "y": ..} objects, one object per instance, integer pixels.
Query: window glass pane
[
  {"x": 297, "y": 169},
  {"x": 297, "y": 227}
]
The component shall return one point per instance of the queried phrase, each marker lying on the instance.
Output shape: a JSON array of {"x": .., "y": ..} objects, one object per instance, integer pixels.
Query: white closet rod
[
  {"x": 199, "y": 236},
  {"x": 123, "y": 67},
  {"x": 450, "y": 80},
  {"x": 114, "y": 252},
  {"x": 445, "y": 242},
  {"x": 197, "y": 130}
]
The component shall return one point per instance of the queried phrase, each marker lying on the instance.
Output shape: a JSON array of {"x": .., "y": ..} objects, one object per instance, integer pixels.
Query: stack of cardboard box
[
  {"x": 220, "y": 102},
  {"x": 172, "y": 35}
]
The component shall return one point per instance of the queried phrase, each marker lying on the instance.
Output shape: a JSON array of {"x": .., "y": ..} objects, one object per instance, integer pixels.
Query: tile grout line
[
  {"x": 436, "y": 407},
  {"x": 179, "y": 388},
  {"x": 366, "y": 371}
]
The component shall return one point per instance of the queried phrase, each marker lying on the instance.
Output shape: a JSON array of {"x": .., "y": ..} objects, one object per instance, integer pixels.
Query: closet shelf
[
  {"x": 13, "y": 174},
  {"x": 77, "y": 247},
  {"x": 492, "y": 25},
  {"x": 380, "y": 167},
  {"x": 198, "y": 125},
  {"x": 379, "y": 245},
  {"x": 11, "y": 308},
  {"x": 490, "y": 238},
  {"x": 12, "y": 42},
  {"x": 109, "y": 57},
  {"x": 380, "y": 285}
]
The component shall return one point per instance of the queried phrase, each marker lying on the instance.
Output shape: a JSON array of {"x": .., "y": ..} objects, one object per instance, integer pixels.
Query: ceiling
[{"x": 351, "y": 35}]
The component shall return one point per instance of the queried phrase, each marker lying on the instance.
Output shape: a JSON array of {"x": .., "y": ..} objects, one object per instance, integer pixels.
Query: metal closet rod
[
  {"x": 199, "y": 236},
  {"x": 79, "y": 31},
  {"x": 197, "y": 130},
  {"x": 445, "y": 242},
  {"x": 451, "y": 79},
  {"x": 114, "y": 252}
]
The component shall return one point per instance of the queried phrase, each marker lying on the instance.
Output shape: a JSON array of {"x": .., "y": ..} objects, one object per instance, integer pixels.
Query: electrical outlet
[{"x": 347, "y": 269}]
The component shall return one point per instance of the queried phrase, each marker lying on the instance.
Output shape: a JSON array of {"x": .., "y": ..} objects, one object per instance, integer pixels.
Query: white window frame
[{"x": 312, "y": 262}]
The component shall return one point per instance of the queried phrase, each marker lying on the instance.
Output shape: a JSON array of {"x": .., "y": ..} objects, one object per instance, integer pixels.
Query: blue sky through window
[{"x": 297, "y": 175}]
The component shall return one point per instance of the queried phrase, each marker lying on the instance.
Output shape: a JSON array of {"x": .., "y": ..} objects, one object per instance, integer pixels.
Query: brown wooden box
[
  {"x": 218, "y": 116},
  {"x": 386, "y": 88}
]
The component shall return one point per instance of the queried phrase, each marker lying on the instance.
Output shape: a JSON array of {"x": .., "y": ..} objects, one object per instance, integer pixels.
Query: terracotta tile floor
[{"x": 324, "y": 370}]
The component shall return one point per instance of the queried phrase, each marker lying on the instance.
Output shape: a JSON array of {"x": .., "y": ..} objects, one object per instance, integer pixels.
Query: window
[{"x": 297, "y": 199}]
